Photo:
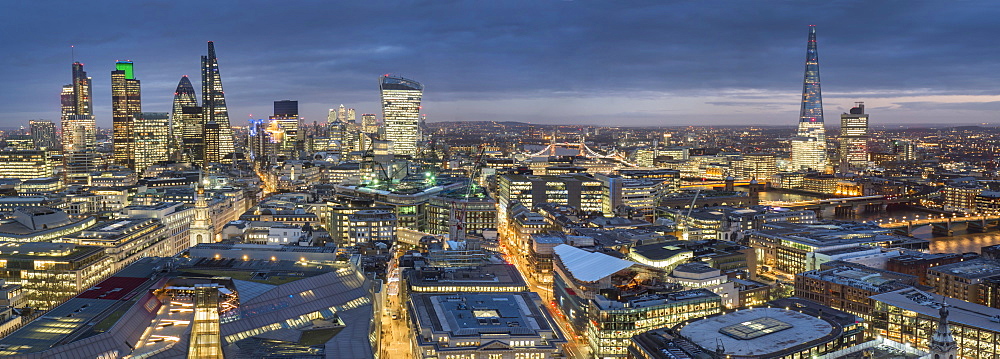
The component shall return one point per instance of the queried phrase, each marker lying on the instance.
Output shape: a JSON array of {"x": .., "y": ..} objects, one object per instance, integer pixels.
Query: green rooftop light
[{"x": 127, "y": 67}]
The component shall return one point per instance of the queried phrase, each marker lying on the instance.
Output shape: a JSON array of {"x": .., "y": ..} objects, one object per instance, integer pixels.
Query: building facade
[
  {"x": 854, "y": 138},
  {"x": 809, "y": 145},
  {"x": 401, "y": 113},
  {"x": 126, "y": 101},
  {"x": 214, "y": 103}
]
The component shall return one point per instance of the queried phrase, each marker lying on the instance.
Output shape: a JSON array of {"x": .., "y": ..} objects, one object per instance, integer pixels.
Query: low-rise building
[
  {"x": 963, "y": 280},
  {"x": 917, "y": 263},
  {"x": 175, "y": 216},
  {"x": 910, "y": 316},
  {"x": 784, "y": 249},
  {"x": 849, "y": 288},
  {"x": 665, "y": 255},
  {"x": 25, "y": 164},
  {"x": 126, "y": 240},
  {"x": 371, "y": 225},
  {"x": 483, "y": 325},
  {"x": 609, "y": 299},
  {"x": 52, "y": 272},
  {"x": 486, "y": 278},
  {"x": 40, "y": 224},
  {"x": 786, "y": 329},
  {"x": 700, "y": 275}
]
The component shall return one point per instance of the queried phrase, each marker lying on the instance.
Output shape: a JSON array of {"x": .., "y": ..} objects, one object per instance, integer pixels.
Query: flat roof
[
  {"x": 658, "y": 251},
  {"x": 972, "y": 269},
  {"x": 756, "y": 331},
  {"x": 928, "y": 304},
  {"x": 494, "y": 275},
  {"x": 481, "y": 313},
  {"x": 858, "y": 277}
]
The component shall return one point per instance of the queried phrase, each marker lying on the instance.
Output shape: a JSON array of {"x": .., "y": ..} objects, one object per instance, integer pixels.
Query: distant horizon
[
  {"x": 556, "y": 63},
  {"x": 790, "y": 127}
]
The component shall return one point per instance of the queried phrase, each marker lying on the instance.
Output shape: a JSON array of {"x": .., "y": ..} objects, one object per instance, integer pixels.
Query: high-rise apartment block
[{"x": 401, "y": 112}]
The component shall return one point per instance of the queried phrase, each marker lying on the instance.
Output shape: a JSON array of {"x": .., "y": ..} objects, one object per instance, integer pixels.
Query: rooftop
[
  {"x": 928, "y": 304},
  {"x": 46, "y": 250},
  {"x": 831, "y": 233},
  {"x": 753, "y": 331},
  {"x": 658, "y": 251},
  {"x": 972, "y": 269},
  {"x": 589, "y": 266},
  {"x": 494, "y": 275},
  {"x": 870, "y": 280},
  {"x": 481, "y": 313}
]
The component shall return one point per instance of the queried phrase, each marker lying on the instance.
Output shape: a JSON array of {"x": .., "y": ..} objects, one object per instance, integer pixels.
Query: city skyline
[{"x": 641, "y": 66}]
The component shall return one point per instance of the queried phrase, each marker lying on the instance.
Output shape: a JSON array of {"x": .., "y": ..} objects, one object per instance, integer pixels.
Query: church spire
[{"x": 943, "y": 344}]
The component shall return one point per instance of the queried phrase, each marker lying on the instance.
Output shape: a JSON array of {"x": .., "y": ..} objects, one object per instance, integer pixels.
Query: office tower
[
  {"x": 401, "y": 112},
  {"x": 286, "y": 116},
  {"x": 44, "y": 134},
  {"x": 286, "y": 108},
  {"x": 79, "y": 139},
  {"x": 351, "y": 130},
  {"x": 854, "y": 138},
  {"x": 184, "y": 96},
  {"x": 193, "y": 138},
  {"x": 346, "y": 115},
  {"x": 125, "y": 102},
  {"x": 213, "y": 143},
  {"x": 369, "y": 124},
  {"x": 152, "y": 139},
  {"x": 809, "y": 146},
  {"x": 339, "y": 135},
  {"x": 214, "y": 102},
  {"x": 258, "y": 142},
  {"x": 758, "y": 166}
]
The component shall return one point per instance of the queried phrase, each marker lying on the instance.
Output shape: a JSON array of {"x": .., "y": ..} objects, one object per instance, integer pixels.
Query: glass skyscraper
[
  {"x": 809, "y": 146},
  {"x": 79, "y": 130},
  {"x": 151, "y": 131},
  {"x": 214, "y": 103},
  {"x": 286, "y": 116},
  {"x": 401, "y": 113},
  {"x": 125, "y": 102},
  {"x": 184, "y": 96}
]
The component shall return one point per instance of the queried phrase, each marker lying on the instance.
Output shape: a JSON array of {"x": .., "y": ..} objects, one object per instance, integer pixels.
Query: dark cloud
[{"x": 647, "y": 62}]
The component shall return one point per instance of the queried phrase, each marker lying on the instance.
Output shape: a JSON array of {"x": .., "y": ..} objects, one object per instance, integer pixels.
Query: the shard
[
  {"x": 809, "y": 145},
  {"x": 214, "y": 103}
]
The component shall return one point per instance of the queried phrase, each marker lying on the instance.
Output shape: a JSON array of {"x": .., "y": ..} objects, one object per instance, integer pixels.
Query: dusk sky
[{"x": 637, "y": 63}]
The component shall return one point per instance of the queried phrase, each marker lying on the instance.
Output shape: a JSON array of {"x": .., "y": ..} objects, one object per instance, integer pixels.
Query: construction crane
[{"x": 457, "y": 227}]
